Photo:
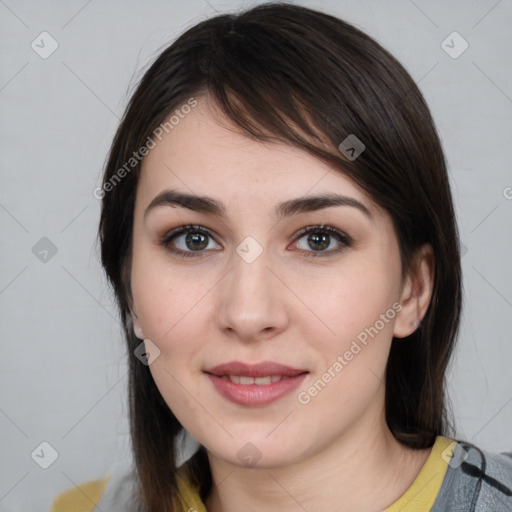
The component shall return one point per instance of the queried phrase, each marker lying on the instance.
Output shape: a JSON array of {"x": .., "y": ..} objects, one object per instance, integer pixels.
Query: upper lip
[{"x": 262, "y": 369}]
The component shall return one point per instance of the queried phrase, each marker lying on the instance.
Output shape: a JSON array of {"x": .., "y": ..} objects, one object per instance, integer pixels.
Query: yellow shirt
[{"x": 419, "y": 497}]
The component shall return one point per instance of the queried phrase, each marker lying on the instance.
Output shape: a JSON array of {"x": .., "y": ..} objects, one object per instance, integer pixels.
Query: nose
[{"x": 252, "y": 302}]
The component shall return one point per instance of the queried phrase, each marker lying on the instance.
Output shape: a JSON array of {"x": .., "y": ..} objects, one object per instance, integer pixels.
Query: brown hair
[{"x": 288, "y": 73}]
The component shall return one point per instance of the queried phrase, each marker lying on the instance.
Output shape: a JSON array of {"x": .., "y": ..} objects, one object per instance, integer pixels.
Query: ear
[
  {"x": 137, "y": 328},
  {"x": 416, "y": 292}
]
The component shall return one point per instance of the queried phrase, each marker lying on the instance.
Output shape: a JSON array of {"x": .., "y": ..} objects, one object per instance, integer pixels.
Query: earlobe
[
  {"x": 137, "y": 328},
  {"x": 416, "y": 293}
]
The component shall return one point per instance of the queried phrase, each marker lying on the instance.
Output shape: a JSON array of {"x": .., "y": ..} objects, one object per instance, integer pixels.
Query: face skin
[{"x": 286, "y": 306}]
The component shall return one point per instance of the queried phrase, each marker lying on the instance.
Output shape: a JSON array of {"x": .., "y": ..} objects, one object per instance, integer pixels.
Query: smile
[{"x": 254, "y": 384}]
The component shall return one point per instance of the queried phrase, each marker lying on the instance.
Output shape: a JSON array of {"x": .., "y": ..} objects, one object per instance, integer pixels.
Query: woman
[{"x": 278, "y": 228}]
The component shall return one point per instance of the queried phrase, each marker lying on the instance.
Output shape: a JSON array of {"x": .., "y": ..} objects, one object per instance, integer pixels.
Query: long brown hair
[{"x": 286, "y": 73}]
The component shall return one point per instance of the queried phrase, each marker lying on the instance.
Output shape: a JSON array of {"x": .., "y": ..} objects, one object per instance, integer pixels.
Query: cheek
[
  {"x": 182, "y": 396},
  {"x": 166, "y": 297},
  {"x": 178, "y": 321},
  {"x": 349, "y": 302},
  {"x": 350, "y": 359}
]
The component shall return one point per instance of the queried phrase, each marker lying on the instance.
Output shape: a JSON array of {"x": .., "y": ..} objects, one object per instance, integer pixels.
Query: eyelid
[{"x": 184, "y": 229}]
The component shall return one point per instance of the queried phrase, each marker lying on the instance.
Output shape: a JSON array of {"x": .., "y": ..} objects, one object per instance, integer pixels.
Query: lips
[
  {"x": 264, "y": 369},
  {"x": 254, "y": 384}
]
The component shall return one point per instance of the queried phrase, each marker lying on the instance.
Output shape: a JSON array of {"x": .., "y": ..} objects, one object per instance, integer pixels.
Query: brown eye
[
  {"x": 196, "y": 241},
  {"x": 318, "y": 242},
  {"x": 187, "y": 240},
  {"x": 322, "y": 240}
]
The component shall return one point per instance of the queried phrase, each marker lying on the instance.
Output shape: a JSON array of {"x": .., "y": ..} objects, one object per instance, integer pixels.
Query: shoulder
[
  {"x": 118, "y": 492},
  {"x": 82, "y": 498},
  {"x": 114, "y": 492},
  {"x": 475, "y": 480}
]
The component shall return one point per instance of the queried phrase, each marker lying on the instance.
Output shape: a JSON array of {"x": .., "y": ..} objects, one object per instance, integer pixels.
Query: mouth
[
  {"x": 245, "y": 380},
  {"x": 254, "y": 384}
]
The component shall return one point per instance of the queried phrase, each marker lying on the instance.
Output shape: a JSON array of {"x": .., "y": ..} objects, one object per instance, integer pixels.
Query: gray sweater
[{"x": 476, "y": 481}]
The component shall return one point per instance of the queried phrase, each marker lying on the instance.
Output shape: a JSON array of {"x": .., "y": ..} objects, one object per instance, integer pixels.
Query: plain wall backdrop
[{"x": 63, "y": 366}]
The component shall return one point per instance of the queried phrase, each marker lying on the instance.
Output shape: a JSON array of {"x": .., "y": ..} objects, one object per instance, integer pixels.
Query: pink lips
[{"x": 254, "y": 384}]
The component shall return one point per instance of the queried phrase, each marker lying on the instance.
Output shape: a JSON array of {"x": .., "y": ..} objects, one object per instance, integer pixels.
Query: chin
[{"x": 255, "y": 450}]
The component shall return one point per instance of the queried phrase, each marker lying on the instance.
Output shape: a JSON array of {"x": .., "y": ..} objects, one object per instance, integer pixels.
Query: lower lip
[{"x": 252, "y": 394}]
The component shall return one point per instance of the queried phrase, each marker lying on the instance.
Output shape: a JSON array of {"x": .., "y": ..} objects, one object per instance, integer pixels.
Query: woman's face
[{"x": 244, "y": 295}]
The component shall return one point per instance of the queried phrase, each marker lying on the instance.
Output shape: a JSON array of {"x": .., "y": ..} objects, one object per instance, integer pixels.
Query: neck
[{"x": 362, "y": 460}]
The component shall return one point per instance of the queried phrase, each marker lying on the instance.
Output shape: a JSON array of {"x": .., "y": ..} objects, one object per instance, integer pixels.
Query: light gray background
[{"x": 62, "y": 370}]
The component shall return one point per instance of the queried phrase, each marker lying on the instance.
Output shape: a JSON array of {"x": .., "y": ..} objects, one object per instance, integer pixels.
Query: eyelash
[{"x": 344, "y": 239}]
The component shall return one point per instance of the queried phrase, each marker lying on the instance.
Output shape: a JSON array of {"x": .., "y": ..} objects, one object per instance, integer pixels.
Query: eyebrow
[{"x": 205, "y": 204}]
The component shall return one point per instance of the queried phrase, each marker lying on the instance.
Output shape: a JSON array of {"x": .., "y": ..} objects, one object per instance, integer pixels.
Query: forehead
[{"x": 205, "y": 154}]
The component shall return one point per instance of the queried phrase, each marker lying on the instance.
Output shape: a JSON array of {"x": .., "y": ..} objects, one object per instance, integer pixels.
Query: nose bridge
[
  {"x": 252, "y": 299},
  {"x": 250, "y": 278}
]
